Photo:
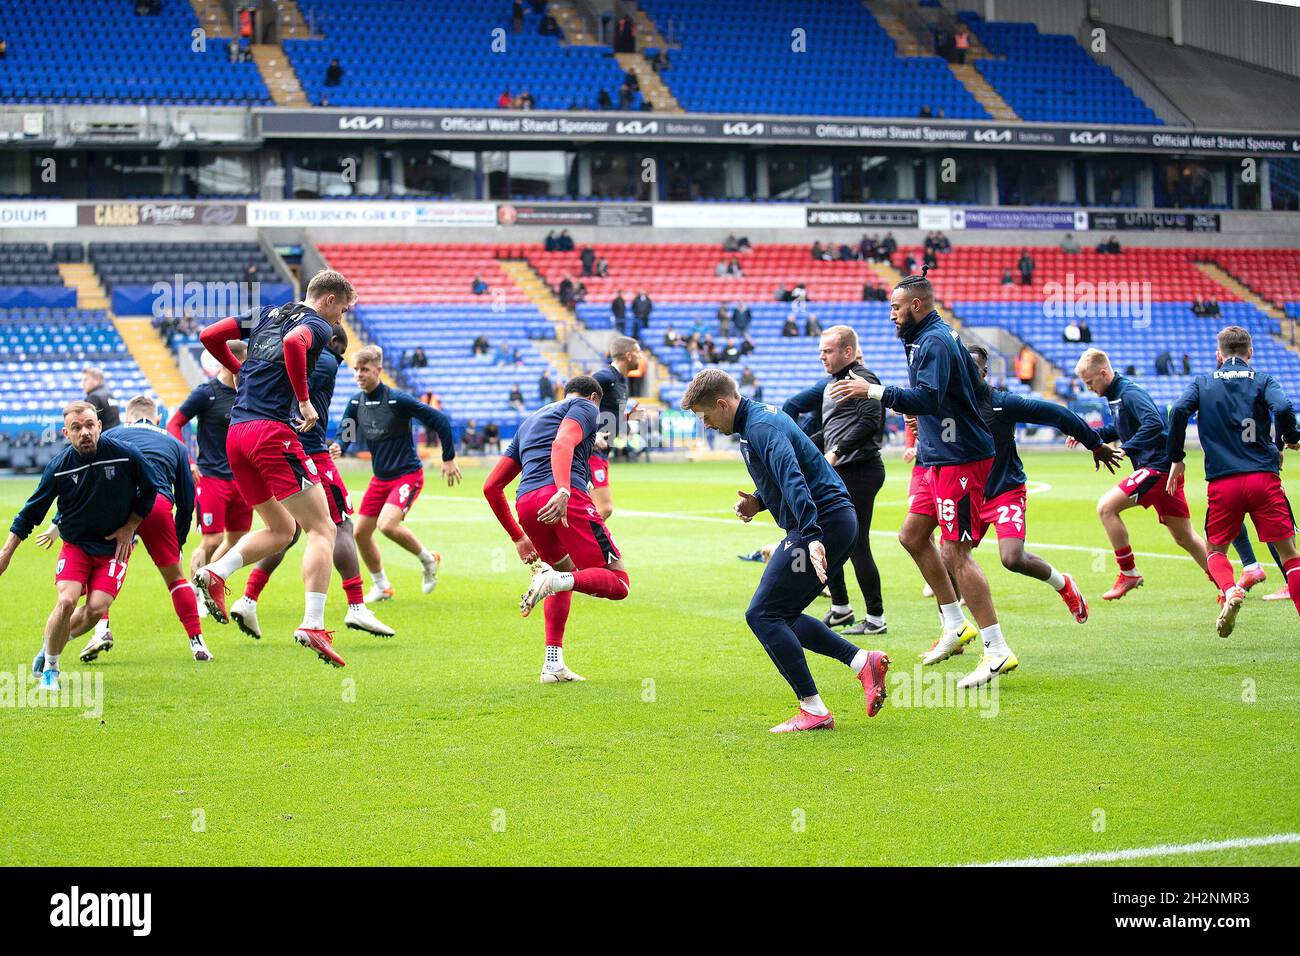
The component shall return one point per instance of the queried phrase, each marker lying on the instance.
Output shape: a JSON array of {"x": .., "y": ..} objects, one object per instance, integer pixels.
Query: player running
[
  {"x": 1005, "y": 496},
  {"x": 807, "y": 499},
  {"x": 359, "y": 617},
  {"x": 383, "y": 417},
  {"x": 164, "y": 531},
  {"x": 104, "y": 490},
  {"x": 1234, "y": 407},
  {"x": 957, "y": 447},
  {"x": 223, "y": 515},
  {"x": 1136, "y": 423},
  {"x": 266, "y": 456},
  {"x": 624, "y": 356},
  {"x": 561, "y": 526}
]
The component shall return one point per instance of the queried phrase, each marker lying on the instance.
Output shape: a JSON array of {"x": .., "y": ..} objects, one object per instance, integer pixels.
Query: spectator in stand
[
  {"x": 1164, "y": 363},
  {"x": 641, "y": 309},
  {"x": 588, "y": 259},
  {"x": 782, "y": 293},
  {"x": 526, "y": 101},
  {"x": 818, "y": 252},
  {"x": 1110, "y": 247},
  {"x": 564, "y": 242},
  {"x": 618, "y": 310},
  {"x": 720, "y": 270},
  {"x": 1198, "y": 308},
  {"x": 1006, "y": 277},
  {"x": 867, "y": 248},
  {"x": 730, "y": 351},
  {"x": 811, "y": 327},
  {"x": 942, "y": 243},
  {"x": 734, "y": 270},
  {"x": 625, "y": 97},
  {"x": 961, "y": 43},
  {"x": 333, "y": 73},
  {"x": 549, "y": 26},
  {"x": 479, "y": 287},
  {"x": 1026, "y": 267},
  {"x": 925, "y": 111},
  {"x": 1187, "y": 364},
  {"x": 909, "y": 264},
  {"x": 846, "y": 253},
  {"x": 660, "y": 62},
  {"x": 552, "y": 244},
  {"x": 565, "y": 291},
  {"x": 419, "y": 359},
  {"x": 602, "y": 267},
  {"x": 97, "y": 393},
  {"x": 517, "y": 397},
  {"x": 931, "y": 256},
  {"x": 672, "y": 339},
  {"x": 492, "y": 439},
  {"x": 799, "y": 296},
  {"x": 1026, "y": 366},
  {"x": 709, "y": 349},
  {"x": 603, "y": 100},
  {"x": 791, "y": 328},
  {"x": 1085, "y": 331},
  {"x": 517, "y": 16},
  {"x": 888, "y": 246},
  {"x": 747, "y": 378},
  {"x": 545, "y": 387},
  {"x": 731, "y": 243},
  {"x": 579, "y": 293},
  {"x": 471, "y": 439},
  {"x": 481, "y": 347},
  {"x": 1213, "y": 306},
  {"x": 625, "y": 36},
  {"x": 506, "y": 355},
  {"x": 746, "y": 344},
  {"x": 506, "y": 102},
  {"x": 742, "y": 317},
  {"x": 723, "y": 316},
  {"x": 1071, "y": 332},
  {"x": 1069, "y": 244}
]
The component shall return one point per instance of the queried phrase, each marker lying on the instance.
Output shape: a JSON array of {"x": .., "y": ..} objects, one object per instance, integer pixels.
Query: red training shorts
[
  {"x": 1258, "y": 494},
  {"x": 586, "y": 539},
  {"x": 1006, "y": 513},
  {"x": 268, "y": 462},
  {"x": 1147, "y": 488},
  {"x": 401, "y": 491},
  {"x": 158, "y": 532},
  {"x": 336, "y": 492},
  {"x": 221, "y": 508},
  {"x": 92, "y": 572}
]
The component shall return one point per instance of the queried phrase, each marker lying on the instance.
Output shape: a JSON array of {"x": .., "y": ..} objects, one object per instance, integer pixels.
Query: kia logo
[
  {"x": 742, "y": 129},
  {"x": 1088, "y": 139},
  {"x": 636, "y": 127},
  {"x": 361, "y": 122},
  {"x": 992, "y": 136}
]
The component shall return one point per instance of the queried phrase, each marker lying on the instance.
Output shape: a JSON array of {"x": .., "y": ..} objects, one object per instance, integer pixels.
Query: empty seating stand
[
  {"x": 129, "y": 271},
  {"x": 29, "y": 277}
]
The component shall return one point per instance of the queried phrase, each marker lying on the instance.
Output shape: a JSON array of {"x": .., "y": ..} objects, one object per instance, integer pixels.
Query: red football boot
[
  {"x": 1074, "y": 600},
  {"x": 1250, "y": 578},
  {"x": 805, "y": 721},
  {"x": 212, "y": 588},
  {"x": 320, "y": 641},
  {"x": 872, "y": 677},
  {"x": 1123, "y": 584}
]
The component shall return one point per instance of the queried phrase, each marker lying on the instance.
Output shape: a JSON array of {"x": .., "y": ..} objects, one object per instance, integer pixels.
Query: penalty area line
[{"x": 1141, "y": 853}]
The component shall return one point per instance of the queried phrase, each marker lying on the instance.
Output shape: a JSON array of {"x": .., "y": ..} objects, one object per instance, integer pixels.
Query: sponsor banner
[
  {"x": 899, "y": 217},
  {"x": 1060, "y": 219},
  {"x": 729, "y": 217},
  {"x": 37, "y": 215},
  {"x": 503, "y": 124},
  {"x": 1154, "y": 221},
  {"x": 160, "y": 214},
  {"x": 371, "y": 213},
  {"x": 575, "y": 214},
  {"x": 935, "y": 217}
]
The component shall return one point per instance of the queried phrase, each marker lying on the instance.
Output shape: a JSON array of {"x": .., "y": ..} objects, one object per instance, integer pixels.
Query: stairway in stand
[{"x": 1287, "y": 324}]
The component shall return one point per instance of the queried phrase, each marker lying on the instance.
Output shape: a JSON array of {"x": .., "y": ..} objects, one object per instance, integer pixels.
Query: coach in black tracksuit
[{"x": 851, "y": 434}]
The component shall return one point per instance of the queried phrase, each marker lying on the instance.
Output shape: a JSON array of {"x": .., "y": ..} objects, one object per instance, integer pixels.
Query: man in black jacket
[
  {"x": 97, "y": 394},
  {"x": 850, "y": 436}
]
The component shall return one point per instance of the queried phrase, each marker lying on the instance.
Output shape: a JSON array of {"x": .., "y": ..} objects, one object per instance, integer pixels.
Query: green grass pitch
[{"x": 439, "y": 746}]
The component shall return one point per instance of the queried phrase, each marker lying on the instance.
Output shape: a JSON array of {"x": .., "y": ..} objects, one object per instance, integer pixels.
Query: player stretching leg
[
  {"x": 383, "y": 417},
  {"x": 163, "y": 532},
  {"x": 561, "y": 525},
  {"x": 1234, "y": 407},
  {"x": 104, "y": 491},
  {"x": 359, "y": 617},
  {"x": 1137, "y": 425},
  {"x": 1005, "y": 497},
  {"x": 624, "y": 356},
  {"x": 266, "y": 456},
  {"x": 223, "y": 515},
  {"x": 807, "y": 499},
  {"x": 954, "y": 441}
]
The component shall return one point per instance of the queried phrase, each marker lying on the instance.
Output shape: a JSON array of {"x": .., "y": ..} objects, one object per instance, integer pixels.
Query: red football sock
[
  {"x": 601, "y": 582},
  {"x": 187, "y": 607},
  {"x": 1125, "y": 558},
  {"x": 1292, "y": 569},
  {"x": 1221, "y": 571},
  {"x": 556, "y": 611},
  {"x": 352, "y": 588},
  {"x": 257, "y": 579}
]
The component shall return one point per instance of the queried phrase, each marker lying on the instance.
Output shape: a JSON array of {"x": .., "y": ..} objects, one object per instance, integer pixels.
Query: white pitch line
[
  {"x": 680, "y": 516},
  {"x": 1141, "y": 853}
]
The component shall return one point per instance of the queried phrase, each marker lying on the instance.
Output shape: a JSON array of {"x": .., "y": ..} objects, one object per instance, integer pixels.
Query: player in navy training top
[
  {"x": 358, "y": 617},
  {"x": 563, "y": 535},
  {"x": 808, "y": 501},
  {"x": 382, "y": 416},
  {"x": 104, "y": 491},
  {"x": 624, "y": 357},
  {"x": 223, "y": 515},
  {"x": 1006, "y": 498},
  {"x": 1136, "y": 424},
  {"x": 164, "y": 531},
  {"x": 956, "y": 447},
  {"x": 1235, "y": 408},
  {"x": 272, "y": 408}
]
